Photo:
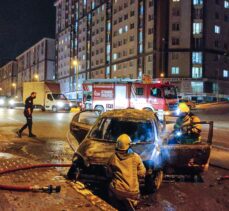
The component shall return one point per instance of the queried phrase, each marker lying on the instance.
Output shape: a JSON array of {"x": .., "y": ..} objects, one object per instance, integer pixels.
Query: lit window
[
  {"x": 197, "y": 87},
  {"x": 109, "y": 26},
  {"x": 126, "y": 28},
  {"x": 197, "y": 72},
  {"x": 217, "y": 29},
  {"x": 140, "y": 48},
  {"x": 107, "y": 70},
  {"x": 175, "y": 70},
  {"x": 197, "y": 58},
  {"x": 120, "y": 31},
  {"x": 226, "y": 4},
  {"x": 108, "y": 48},
  {"x": 197, "y": 28},
  {"x": 176, "y": 0},
  {"x": 225, "y": 73},
  {"x": 115, "y": 67},
  {"x": 197, "y": 2},
  {"x": 115, "y": 56}
]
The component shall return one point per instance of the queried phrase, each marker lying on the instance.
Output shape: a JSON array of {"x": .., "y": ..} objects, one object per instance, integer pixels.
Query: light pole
[
  {"x": 14, "y": 86},
  {"x": 75, "y": 64},
  {"x": 162, "y": 75}
]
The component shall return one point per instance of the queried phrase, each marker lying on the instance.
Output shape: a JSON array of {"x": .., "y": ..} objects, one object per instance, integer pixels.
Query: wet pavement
[{"x": 51, "y": 147}]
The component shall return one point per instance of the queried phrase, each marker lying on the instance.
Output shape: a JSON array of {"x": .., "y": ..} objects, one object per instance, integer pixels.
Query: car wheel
[
  {"x": 99, "y": 108},
  {"x": 42, "y": 108},
  {"x": 54, "y": 109},
  {"x": 74, "y": 171},
  {"x": 153, "y": 181}
]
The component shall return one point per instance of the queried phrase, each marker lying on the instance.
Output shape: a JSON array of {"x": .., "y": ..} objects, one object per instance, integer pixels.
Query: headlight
[
  {"x": 178, "y": 133},
  {"x": 2, "y": 102},
  {"x": 167, "y": 113},
  {"x": 11, "y": 102},
  {"x": 178, "y": 112},
  {"x": 60, "y": 104}
]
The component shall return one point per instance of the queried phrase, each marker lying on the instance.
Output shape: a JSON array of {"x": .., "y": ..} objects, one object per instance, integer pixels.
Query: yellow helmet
[
  {"x": 184, "y": 108},
  {"x": 123, "y": 142}
]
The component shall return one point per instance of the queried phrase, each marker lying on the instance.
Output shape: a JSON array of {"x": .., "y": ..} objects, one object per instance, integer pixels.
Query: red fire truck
[{"x": 107, "y": 94}]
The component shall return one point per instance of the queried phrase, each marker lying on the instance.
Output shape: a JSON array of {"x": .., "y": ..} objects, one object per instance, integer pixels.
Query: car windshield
[
  {"x": 59, "y": 97},
  {"x": 170, "y": 92},
  {"x": 110, "y": 129},
  {"x": 88, "y": 117}
]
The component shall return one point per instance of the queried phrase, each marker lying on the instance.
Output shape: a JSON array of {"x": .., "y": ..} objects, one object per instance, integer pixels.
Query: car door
[
  {"x": 48, "y": 101},
  {"x": 184, "y": 157},
  {"x": 82, "y": 123}
]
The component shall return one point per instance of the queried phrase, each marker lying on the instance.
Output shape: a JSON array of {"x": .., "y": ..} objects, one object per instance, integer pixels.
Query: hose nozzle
[{"x": 47, "y": 189}]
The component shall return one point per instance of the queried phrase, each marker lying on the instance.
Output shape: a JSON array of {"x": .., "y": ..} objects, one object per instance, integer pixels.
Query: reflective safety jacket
[
  {"x": 125, "y": 168},
  {"x": 188, "y": 127}
]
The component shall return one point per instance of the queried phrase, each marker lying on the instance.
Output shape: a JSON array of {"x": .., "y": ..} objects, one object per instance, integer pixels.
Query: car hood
[{"x": 99, "y": 151}]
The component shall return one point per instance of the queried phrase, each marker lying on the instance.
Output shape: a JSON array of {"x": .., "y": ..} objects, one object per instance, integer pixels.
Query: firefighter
[
  {"x": 185, "y": 129},
  {"x": 124, "y": 168},
  {"x": 28, "y": 115}
]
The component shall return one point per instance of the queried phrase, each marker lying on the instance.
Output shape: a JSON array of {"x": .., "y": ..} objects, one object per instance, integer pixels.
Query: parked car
[
  {"x": 8, "y": 102},
  {"x": 97, "y": 136},
  {"x": 190, "y": 104}
]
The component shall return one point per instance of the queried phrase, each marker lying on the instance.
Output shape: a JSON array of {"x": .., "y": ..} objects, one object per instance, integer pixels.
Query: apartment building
[
  {"x": 8, "y": 79},
  {"x": 182, "y": 41},
  {"x": 36, "y": 64},
  {"x": 196, "y": 46}
]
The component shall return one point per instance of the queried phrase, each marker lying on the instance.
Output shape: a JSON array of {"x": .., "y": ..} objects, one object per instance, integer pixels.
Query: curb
[{"x": 95, "y": 200}]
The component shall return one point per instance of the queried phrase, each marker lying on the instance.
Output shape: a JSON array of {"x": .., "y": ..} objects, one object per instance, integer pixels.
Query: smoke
[{"x": 157, "y": 154}]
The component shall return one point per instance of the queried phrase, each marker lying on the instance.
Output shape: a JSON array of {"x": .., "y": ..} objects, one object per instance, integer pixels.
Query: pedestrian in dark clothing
[{"x": 28, "y": 115}]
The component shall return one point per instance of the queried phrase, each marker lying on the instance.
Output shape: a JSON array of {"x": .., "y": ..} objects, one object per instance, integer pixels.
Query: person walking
[{"x": 28, "y": 115}]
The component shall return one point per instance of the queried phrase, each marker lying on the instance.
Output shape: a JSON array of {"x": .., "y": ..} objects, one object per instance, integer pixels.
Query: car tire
[
  {"x": 43, "y": 108},
  {"x": 54, "y": 109},
  {"x": 74, "y": 171},
  {"x": 153, "y": 181},
  {"x": 99, "y": 108}
]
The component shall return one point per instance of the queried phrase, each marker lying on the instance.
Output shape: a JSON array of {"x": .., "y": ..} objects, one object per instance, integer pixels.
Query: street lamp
[
  {"x": 36, "y": 77},
  {"x": 14, "y": 86},
  {"x": 75, "y": 64}
]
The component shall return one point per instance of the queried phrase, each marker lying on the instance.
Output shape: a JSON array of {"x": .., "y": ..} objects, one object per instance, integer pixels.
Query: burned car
[{"x": 97, "y": 140}]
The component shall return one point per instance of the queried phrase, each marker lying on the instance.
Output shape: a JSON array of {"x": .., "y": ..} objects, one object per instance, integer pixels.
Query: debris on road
[{"x": 220, "y": 179}]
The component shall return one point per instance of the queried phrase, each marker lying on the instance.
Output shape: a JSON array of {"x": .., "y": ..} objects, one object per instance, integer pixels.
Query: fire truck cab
[{"x": 108, "y": 94}]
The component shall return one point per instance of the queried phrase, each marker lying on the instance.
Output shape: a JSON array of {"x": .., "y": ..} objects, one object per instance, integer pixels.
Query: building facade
[
  {"x": 183, "y": 41},
  {"x": 8, "y": 79},
  {"x": 36, "y": 64}
]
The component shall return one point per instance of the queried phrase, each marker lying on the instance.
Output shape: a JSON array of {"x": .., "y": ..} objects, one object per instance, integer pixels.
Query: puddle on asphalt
[
  {"x": 6, "y": 155},
  {"x": 55, "y": 151}
]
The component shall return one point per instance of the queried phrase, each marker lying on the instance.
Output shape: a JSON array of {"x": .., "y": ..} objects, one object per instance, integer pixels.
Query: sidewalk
[{"x": 73, "y": 196}]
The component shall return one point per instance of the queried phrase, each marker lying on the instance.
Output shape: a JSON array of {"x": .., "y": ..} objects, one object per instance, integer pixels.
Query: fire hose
[{"x": 35, "y": 188}]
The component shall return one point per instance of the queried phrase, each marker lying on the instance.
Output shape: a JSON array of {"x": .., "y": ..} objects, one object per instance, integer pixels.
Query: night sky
[{"x": 22, "y": 24}]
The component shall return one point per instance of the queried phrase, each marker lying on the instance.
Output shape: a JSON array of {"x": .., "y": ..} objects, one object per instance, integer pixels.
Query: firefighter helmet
[
  {"x": 123, "y": 142},
  {"x": 184, "y": 108}
]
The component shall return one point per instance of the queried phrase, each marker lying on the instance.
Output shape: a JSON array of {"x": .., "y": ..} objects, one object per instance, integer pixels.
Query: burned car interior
[{"x": 139, "y": 131}]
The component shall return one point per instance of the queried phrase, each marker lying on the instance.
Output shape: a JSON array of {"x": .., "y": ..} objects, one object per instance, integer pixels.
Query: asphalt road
[{"x": 51, "y": 146}]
